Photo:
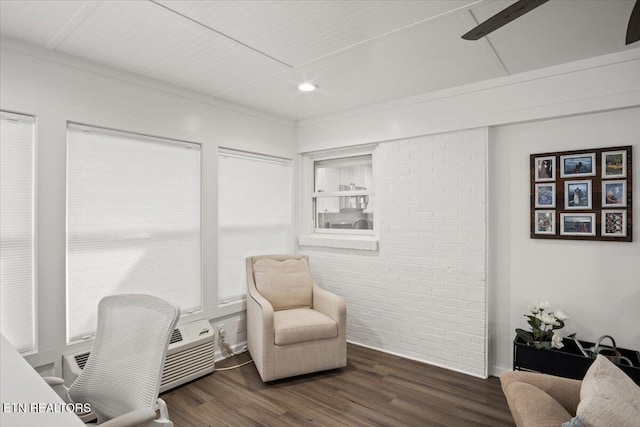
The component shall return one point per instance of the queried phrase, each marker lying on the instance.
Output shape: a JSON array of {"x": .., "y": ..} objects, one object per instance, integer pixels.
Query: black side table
[{"x": 567, "y": 362}]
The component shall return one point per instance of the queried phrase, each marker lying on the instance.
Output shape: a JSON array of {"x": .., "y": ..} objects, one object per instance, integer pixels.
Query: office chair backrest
[{"x": 124, "y": 369}]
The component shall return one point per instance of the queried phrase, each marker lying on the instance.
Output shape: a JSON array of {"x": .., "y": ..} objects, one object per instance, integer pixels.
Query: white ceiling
[{"x": 359, "y": 53}]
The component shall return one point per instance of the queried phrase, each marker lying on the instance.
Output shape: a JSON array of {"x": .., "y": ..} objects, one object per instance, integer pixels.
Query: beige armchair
[{"x": 294, "y": 327}]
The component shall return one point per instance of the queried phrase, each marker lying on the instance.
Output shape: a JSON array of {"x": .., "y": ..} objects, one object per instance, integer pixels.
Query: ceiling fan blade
[
  {"x": 503, "y": 17},
  {"x": 633, "y": 30}
]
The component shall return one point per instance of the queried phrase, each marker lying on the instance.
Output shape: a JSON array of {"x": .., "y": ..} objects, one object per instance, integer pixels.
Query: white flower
[
  {"x": 534, "y": 307},
  {"x": 560, "y": 315},
  {"x": 556, "y": 341},
  {"x": 548, "y": 319},
  {"x": 544, "y": 305}
]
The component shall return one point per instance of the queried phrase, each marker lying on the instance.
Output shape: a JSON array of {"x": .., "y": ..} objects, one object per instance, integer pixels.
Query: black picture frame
[{"x": 592, "y": 194}]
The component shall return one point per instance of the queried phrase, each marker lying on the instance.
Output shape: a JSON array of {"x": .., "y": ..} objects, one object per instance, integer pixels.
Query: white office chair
[{"x": 121, "y": 378}]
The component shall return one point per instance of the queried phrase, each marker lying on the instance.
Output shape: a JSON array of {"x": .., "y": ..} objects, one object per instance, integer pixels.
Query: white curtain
[
  {"x": 133, "y": 222},
  {"x": 254, "y": 215},
  {"x": 17, "y": 296}
]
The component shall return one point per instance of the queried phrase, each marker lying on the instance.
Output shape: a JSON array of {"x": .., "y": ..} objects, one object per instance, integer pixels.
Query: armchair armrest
[
  {"x": 53, "y": 381},
  {"x": 262, "y": 306},
  {"x": 131, "y": 419},
  {"x": 260, "y": 324},
  {"x": 329, "y": 304},
  {"x": 57, "y": 384}
]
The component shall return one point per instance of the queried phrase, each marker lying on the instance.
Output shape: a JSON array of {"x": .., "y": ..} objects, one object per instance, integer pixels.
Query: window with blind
[
  {"x": 254, "y": 215},
  {"x": 17, "y": 285},
  {"x": 133, "y": 222}
]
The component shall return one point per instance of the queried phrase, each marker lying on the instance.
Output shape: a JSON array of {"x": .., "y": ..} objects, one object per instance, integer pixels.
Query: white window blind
[
  {"x": 17, "y": 296},
  {"x": 254, "y": 215},
  {"x": 133, "y": 222}
]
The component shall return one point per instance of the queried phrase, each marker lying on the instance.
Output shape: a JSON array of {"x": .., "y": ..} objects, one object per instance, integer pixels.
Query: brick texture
[{"x": 422, "y": 294}]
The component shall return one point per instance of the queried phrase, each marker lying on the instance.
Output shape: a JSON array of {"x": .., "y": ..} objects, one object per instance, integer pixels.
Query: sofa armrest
[
  {"x": 564, "y": 390},
  {"x": 532, "y": 407}
]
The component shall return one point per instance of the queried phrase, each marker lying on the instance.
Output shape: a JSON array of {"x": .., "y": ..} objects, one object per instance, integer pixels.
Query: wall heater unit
[{"x": 190, "y": 356}]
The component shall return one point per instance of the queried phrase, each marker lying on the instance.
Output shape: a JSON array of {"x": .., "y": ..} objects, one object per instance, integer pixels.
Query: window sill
[{"x": 341, "y": 241}]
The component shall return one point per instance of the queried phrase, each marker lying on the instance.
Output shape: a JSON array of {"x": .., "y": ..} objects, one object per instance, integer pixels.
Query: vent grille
[
  {"x": 81, "y": 359},
  {"x": 187, "y": 362},
  {"x": 176, "y": 336},
  {"x": 190, "y": 356}
]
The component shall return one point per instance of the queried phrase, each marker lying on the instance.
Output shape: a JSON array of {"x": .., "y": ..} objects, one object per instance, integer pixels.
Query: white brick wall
[{"x": 422, "y": 294}]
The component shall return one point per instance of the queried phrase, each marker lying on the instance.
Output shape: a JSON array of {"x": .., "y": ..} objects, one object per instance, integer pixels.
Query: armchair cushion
[
  {"x": 302, "y": 324},
  {"x": 285, "y": 284}
]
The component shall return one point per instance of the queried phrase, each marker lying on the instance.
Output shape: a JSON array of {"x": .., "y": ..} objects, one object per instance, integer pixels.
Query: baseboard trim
[{"x": 495, "y": 371}]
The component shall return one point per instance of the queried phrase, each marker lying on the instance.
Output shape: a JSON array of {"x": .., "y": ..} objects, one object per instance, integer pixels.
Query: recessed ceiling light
[{"x": 307, "y": 87}]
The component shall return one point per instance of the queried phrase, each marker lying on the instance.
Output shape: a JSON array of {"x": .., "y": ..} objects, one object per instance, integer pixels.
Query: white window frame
[
  {"x": 335, "y": 238},
  {"x": 28, "y": 118}
]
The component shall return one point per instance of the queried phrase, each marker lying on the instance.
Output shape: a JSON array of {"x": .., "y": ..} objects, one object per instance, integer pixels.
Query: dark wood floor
[{"x": 375, "y": 389}]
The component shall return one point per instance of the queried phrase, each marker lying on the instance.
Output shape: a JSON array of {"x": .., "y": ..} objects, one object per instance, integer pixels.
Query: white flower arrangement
[{"x": 545, "y": 326}]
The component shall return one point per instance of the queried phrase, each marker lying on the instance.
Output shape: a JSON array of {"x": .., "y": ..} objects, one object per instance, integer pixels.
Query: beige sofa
[{"x": 606, "y": 397}]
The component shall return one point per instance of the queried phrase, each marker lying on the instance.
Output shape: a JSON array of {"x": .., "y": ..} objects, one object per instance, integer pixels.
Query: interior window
[{"x": 343, "y": 195}]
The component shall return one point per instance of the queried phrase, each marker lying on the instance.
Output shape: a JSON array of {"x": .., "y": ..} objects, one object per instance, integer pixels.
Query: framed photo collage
[{"x": 582, "y": 195}]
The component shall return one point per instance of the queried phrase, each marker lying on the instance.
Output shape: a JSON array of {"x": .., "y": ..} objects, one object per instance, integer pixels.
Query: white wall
[
  {"x": 57, "y": 89},
  {"x": 583, "y": 88},
  {"x": 422, "y": 294},
  {"x": 596, "y": 283},
  {"x": 596, "y": 84}
]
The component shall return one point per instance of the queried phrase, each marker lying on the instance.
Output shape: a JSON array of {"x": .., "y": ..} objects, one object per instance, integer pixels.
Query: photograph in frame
[
  {"x": 545, "y": 168},
  {"x": 614, "y": 194},
  {"x": 545, "y": 222},
  {"x": 578, "y": 224},
  {"x": 614, "y": 164},
  {"x": 614, "y": 223},
  {"x": 577, "y": 165},
  {"x": 545, "y": 195},
  {"x": 577, "y": 194}
]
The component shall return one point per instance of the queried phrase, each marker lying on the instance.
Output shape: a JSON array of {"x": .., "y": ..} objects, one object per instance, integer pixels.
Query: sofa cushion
[
  {"x": 530, "y": 406},
  {"x": 608, "y": 397},
  {"x": 302, "y": 324},
  {"x": 285, "y": 284}
]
